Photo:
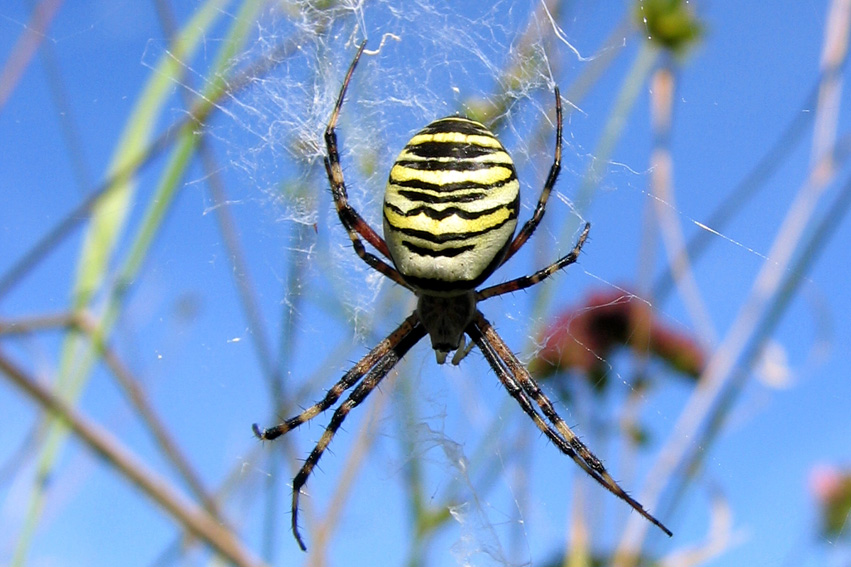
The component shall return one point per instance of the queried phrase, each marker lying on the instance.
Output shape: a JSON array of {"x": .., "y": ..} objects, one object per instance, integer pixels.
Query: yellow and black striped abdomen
[{"x": 451, "y": 206}]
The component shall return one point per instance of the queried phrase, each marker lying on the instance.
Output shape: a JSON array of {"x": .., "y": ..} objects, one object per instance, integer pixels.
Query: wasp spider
[{"x": 450, "y": 211}]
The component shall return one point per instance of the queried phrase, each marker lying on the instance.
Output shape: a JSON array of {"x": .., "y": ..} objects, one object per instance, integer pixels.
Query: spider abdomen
[{"x": 450, "y": 208}]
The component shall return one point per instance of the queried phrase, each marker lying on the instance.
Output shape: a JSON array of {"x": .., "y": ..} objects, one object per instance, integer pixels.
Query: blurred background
[{"x": 172, "y": 270}]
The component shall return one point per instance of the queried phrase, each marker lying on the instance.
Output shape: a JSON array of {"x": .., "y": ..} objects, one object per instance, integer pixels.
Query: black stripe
[
  {"x": 452, "y": 124},
  {"x": 445, "y": 213},
  {"x": 459, "y": 165},
  {"x": 455, "y": 150},
  {"x": 450, "y": 236},
  {"x": 448, "y": 187},
  {"x": 418, "y": 197},
  {"x": 437, "y": 238},
  {"x": 443, "y": 252},
  {"x": 442, "y": 286}
]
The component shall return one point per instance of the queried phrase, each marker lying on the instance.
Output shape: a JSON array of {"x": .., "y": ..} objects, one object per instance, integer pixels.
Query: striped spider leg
[
  {"x": 367, "y": 374},
  {"x": 352, "y": 221},
  {"x": 541, "y": 208},
  {"x": 450, "y": 212},
  {"x": 521, "y": 386}
]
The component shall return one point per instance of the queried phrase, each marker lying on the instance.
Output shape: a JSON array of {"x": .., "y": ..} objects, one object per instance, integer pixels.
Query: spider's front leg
[
  {"x": 356, "y": 227},
  {"x": 527, "y": 281},
  {"x": 541, "y": 208}
]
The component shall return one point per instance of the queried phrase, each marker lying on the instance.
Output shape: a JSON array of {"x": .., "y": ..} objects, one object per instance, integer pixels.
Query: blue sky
[{"x": 184, "y": 334}]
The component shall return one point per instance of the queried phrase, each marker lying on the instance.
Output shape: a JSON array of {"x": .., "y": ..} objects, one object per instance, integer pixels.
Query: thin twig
[
  {"x": 25, "y": 48},
  {"x": 662, "y": 189},
  {"x": 689, "y": 429},
  {"x": 198, "y": 114},
  {"x": 187, "y": 514},
  {"x": 85, "y": 323}
]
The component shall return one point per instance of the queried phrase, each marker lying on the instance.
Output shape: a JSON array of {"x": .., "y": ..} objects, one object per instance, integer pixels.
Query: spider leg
[
  {"x": 527, "y": 281},
  {"x": 348, "y": 380},
  {"x": 390, "y": 352},
  {"x": 541, "y": 208},
  {"x": 355, "y": 225},
  {"x": 522, "y": 386},
  {"x": 516, "y": 391}
]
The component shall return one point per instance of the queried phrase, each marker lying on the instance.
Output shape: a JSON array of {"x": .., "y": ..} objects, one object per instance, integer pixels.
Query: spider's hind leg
[
  {"x": 348, "y": 380},
  {"x": 377, "y": 364},
  {"x": 522, "y": 387},
  {"x": 376, "y": 374}
]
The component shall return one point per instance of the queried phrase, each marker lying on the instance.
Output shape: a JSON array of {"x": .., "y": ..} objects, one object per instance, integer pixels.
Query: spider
[{"x": 450, "y": 212}]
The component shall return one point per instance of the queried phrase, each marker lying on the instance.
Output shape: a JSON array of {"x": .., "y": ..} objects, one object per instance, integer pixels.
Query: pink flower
[{"x": 583, "y": 338}]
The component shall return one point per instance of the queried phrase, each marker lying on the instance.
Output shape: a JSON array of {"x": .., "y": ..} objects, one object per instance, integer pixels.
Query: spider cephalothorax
[{"x": 450, "y": 213}]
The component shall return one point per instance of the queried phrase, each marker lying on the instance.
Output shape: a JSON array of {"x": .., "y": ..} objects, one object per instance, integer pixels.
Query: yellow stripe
[
  {"x": 458, "y": 138},
  {"x": 496, "y": 196},
  {"x": 500, "y": 157},
  {"x": 489, "y": 176},
  {"x": 449, "y": 225}
]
